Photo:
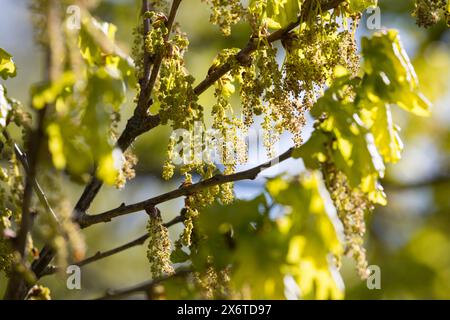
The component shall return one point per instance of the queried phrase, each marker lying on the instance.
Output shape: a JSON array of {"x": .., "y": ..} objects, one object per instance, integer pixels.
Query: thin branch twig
[
  {"x": 143, "y": 287},
  {"x": 36, "y": 186},
  {"x": 148, "y": 89},
  {"x": 102, "y": 255}
]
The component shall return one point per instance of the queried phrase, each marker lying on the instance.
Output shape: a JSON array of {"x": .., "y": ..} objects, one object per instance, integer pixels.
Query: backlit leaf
[{"x": 7, "y": 66}]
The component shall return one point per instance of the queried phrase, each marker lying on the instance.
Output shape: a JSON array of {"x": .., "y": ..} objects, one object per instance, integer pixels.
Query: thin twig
[
  {"x": 102, "y": 255},
  {"x": 36, "y": 186},
  {"x": 143, "y": 287},
  {"x": 142, "y": 108}
]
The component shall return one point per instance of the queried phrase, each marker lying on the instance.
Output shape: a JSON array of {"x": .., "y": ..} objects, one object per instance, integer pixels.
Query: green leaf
[
  {"x": 385, "y": 132},
  {"x": 107, "y": 81},
  {"x": 261, "y": 251},
  {"x": 390, "y": 76},
  {"x": 90, "y": 50},
  {"x": 357, "y": 6},
  {"x": 179, "y": 256},
  {"x": 279, "y": 13},
  {"x": 56, "y": 145},
  {"x": 107, "y": 169},
  {"x": 7, "y": 66},
  {"x": 312, "y": 233},
  {"x": 241, "y": 236},
  {"x": 95, "y": 55},
  {"x": 313, "y": 152},
  {"x": 66, "y": 144},
  {"x": 344, "y": 139},
  {"x": 47, "y": 93},
  {"x": 96, "y": 123}
]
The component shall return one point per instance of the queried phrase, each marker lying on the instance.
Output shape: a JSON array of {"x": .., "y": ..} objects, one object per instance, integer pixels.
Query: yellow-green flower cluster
[
  {"x": 213, "y": 284},
  {"x": 6, "y": 255},
  {"x": 127, "y": 171},
  {"x": 430, "y": 12},
  {"x": 312, "y": 54},
  {"x": 159, "y": 248},
  {"x": 39, "y": 292},
  {"x": 11, "y": 195},
  {"x": 351, "y": 205},
  {"x": 225, "y": 13}
]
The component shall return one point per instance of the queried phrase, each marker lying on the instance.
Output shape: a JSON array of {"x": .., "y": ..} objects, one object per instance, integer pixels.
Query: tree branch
[
  {"x": 249, "y": 174},
  {"x": 143, "y": 287},
  {"x": 36, "y": 186},
  {"x": 140, "y": 122},
  {"x": 17, "y": 287},
  {"x": 101, "y": 255},
  {"x": 150, "y": 84},
  {"x": 136, "y": 125}
]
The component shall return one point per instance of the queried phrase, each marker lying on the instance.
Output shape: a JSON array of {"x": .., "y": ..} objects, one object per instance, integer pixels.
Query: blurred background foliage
[{"x": 409, "y": 239}]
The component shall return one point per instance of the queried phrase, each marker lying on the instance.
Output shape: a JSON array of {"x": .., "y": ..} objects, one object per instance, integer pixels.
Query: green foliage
[
  {"x": 48, "y": 93},
  {"x": 357, "y": 6},
  {"x": 355, "y": 123},
  {"x": 313, "y": 239},
  {"x": 86, "y": 116},
  {"x": 355, "y": 133},
  {"x": 261, "y": 251},
  {"x": 390, "y": 77},
  {"x": 275, "y": 13}
]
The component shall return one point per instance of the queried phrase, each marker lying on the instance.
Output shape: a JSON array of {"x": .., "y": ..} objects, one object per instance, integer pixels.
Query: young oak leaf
[{"x": 7, "y": 66}]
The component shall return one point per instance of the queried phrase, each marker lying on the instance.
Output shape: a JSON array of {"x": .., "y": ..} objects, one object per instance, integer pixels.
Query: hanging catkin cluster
[
  {"x": 213, "y": 284},
  {"x": 11, "y": 194},
  {"x": 127, "y": 171},
  {"x": 429, "y": 12},
  {"x": 225, "y": 13},
  {"x": 280, "y": 94},
  {"x": 312, "y": 56},
  {"x": 351, "y": 205},
  {"x": 6, "y": 255},
  {"x": 159, "y": 248},
  {"x": 62, "y": 233}
]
